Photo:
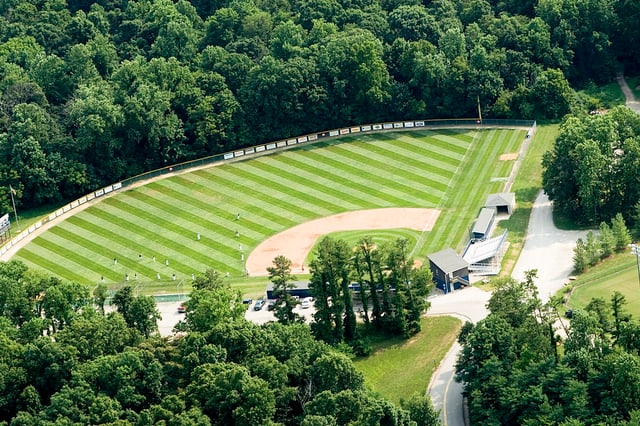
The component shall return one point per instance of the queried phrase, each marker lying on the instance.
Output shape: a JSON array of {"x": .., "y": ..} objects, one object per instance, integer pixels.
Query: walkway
[{"x": 631, "y": 101}]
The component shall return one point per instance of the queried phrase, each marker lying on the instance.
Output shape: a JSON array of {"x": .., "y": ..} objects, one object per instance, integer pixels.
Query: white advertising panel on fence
[
  {"x": 271, "y": 146},
  {"x": 260, "y": 148},
  {"x": 344, "y": 131},
  {"x": 91, "y": 196},
  {"x": 238, "y": 153},
  {"x": 387, "y": 126},
  {"x": 249, "y": 150},
  {"x": 117, "y": 185},
  {"x": 397, "y": 125},
  {"x": 355, "y": 130},
  {"x": 302, "y": 139},
  {"x": 38, "y": 224},
  {"x": 366, "y": 128},
  {"x": 377, "y": 127},
  {"x": 32, "y": 228},
  {"x": 291, "y": 142},
  {"x": 66, "y": 208},
  {"x": 82, "y": 200},
  {"x": 313, "y": 137},
  {"x": 334, "y": 132},
  {"x": 74, "y": 204},
  {"x": 228, "y": 156},
  {"x": 108, "y": 189},
  {"x": 58, "y": 212},
  {"x": 52, "y": 216},
  {"x": 408, "y": 124},
  {"x": 419, "y": 123},
  {"x": 281, "y": 144},
  {"x": 99, "y": 192}
]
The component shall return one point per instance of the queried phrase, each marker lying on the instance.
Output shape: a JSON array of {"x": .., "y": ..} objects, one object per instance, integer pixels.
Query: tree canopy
[
  {"x": 94, "y": 92},
  {"x": 515, "y": 373},
  {"x": 67, "y": 362}
]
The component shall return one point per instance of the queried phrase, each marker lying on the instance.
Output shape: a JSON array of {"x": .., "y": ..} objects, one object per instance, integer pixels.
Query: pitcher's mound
[{"x": 295, "y": 243}]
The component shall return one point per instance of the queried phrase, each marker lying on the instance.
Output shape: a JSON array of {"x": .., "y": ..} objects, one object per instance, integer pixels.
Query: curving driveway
[
  {"x": 631, "y": 101},
  {"x": 547, "y": 249}
]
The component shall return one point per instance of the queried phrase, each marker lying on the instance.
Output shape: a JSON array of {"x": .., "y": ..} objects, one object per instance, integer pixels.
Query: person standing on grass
[
  {"x": 115, "y": 260},
  {"x": 238, "y": 216}
]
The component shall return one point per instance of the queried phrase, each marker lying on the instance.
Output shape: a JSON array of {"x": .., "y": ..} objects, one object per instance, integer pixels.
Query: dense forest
[
  {"x": 93, "y": 92},
  {"x": 517, "y": 372},
  {"x": 591, "y": 174},
  {"x": 66, "y": 360}
]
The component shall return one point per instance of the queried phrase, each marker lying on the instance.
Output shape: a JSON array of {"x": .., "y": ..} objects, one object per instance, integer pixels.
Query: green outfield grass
[
  {"x": 453, "y": 170},
  {"x": 398, "y": 368}
]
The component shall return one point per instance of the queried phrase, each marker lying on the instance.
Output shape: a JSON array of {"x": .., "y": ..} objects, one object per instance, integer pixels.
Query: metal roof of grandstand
[{"x": 482, "y": 250}]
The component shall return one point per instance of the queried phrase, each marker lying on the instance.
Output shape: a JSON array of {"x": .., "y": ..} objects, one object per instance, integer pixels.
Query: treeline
[
  {"x": 591, "y": 174},
  {"x": 596, "y": 247},
  {"x": 390, "y": 290},
  {"x": 63, "y": 360},
  {"x": 93, "y": 92},
  {"x": 516, "y": 370}
]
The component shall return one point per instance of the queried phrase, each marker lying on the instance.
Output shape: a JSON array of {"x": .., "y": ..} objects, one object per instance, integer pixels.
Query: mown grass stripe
[
  {"x": 41, "y": 262},
  {"x": 78, "y": 243},
  {"x": 194, "y": 221},
  {"x": 292, "y": 194},
  {"x": 180, "y": 233},
  {"x": 415, "y": 150},
  {"x": 348, "y": 198},
  {"x": 321, "y": 198},
  {"x": 178, "y": 250},
  {"x": 225, "y": 185},
  {"x": 432, "y": 178},
  {"x": 271, "y": 216},
  {"x": 362, "y": 176},
  {"x": 404, "y": 188},
  {"x": 376, "y": 179},
  {"x": 312, "y": 170}
]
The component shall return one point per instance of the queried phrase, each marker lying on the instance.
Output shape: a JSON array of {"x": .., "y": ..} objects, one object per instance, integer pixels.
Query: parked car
[
  {"x": 182, "y": 308},
  {"x": 259, "y": 304},
  {"x": 306, "y": 303},
  {"x": 247, "y": 301},
  {"x": 271, "y": 305}
]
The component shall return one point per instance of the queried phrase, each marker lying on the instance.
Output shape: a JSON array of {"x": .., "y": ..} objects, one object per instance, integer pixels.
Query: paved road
[
  {"x": 547, "y": 249},
  {"x": 631, "y": 101}
]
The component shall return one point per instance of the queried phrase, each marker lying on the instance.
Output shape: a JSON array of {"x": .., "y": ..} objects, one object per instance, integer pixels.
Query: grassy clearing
[
  {"x": 399, "y": 368},
  {"x": 608, "y": 95},
  {"x": 618, "y": 273},
  {"x": 453, "y": 170}
]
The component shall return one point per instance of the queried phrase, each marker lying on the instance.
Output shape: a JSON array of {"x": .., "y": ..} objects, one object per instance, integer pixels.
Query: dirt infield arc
[{"x": 295, "y": 243}]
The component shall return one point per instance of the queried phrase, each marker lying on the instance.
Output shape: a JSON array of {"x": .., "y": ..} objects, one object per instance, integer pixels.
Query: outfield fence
[{"x": 267, "y": 148}]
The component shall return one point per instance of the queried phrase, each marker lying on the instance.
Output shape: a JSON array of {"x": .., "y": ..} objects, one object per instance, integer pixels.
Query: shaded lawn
[{"x": 399, "y": 368}]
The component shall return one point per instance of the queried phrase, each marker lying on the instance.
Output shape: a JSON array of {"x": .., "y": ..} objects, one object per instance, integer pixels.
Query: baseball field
[{"x": 159, "y": 234}]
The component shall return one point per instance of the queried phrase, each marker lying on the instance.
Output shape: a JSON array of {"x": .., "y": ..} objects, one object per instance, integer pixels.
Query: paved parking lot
[{"x": 170, "y": 315}]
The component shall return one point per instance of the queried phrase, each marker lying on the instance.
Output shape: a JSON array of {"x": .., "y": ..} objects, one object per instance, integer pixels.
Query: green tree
[
  {"x": 607, "y": 240},
  {"x": 580, "y": 259},
  {"x": 283, "y": 281},
  {"x": 228, "y": 394},
  {"x": 621, "y": 233}
]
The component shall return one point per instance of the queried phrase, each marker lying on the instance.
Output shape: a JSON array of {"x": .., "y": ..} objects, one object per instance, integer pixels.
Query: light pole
[{"x": 635, "y": 250}]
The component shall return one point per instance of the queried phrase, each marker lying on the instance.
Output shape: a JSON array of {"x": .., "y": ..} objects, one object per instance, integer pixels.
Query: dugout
[
  {"x": 450, "y": 271},
  {"x": 300, "y": 290},
  {"x": 482, "y": 228}
]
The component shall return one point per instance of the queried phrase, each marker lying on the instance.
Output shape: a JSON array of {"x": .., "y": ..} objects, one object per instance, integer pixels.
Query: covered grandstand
[{"x": 485, "y": 257}]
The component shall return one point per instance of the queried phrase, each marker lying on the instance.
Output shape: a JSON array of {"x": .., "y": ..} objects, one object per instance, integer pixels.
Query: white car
[{"x": 306, "y": 303}]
